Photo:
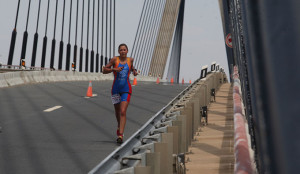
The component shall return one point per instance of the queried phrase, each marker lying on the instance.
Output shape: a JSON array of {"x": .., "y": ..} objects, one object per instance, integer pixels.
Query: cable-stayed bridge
[
  {"x": 51, "y": 128},
  {"x": 80, "y": 35}
]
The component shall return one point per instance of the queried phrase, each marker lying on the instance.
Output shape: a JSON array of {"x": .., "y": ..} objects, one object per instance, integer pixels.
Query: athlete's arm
[
  {"x": 108, "y": 68},
  {"x": 134, "y": 71}
]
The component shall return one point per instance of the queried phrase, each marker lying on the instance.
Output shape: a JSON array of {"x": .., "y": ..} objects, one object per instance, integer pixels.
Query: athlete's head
[
  {"x": 123, "y": 50},
  {"x": 123, "y": 45}
]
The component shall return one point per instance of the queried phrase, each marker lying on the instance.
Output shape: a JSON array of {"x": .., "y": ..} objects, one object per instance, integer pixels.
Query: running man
[{"x": 121, "y": 90}]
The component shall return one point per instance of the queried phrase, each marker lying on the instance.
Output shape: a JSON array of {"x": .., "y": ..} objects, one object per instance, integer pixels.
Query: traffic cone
[
  {"x": 134, "y": 82},
  {"x": 172, "y": 80},
  {"x": 182, "y": 81},
  {"x": 157, "y": 81},
  {"x": 89, "y": 92}
]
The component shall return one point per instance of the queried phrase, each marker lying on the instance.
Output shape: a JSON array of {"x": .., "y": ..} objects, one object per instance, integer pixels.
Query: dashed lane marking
[{"x": 52, "y": 109}]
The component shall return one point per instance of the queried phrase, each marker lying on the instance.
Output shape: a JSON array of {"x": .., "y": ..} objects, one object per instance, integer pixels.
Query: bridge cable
[
  {"x": 53, "y": 40},
  {"x": 114, "y": 44},
  {"x": 148, "y": 36},
  {"x": 92, "y": 52},
  {"x": 87, "y": 40},
  {"x": 102, "y": 61},
  {"x": 140, "y": 36},
  {"x": 75, "y": 46},
  {"x": 36, "y": 36},
  {"x": 81, "y": 48},
  {"x": 106, "y": 28},
  {"x": 154, "y": 38},
  {"x": 110, "y": 30},
  {"x": 137, "y": 33},
  {"x": 13, "y": 39},
  {"x": 25, "y": 36},
  {"x": 97, "y": 54},
  {"x": 144, "y": 37},
  {"x": 68, "y": 55},
  {"x": 44, "y": 49},
  {"x": 151, "y": 36},
  {"x": 61, "y": 44}
]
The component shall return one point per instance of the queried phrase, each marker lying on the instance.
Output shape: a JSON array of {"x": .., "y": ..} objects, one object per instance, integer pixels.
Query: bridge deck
[
  {"x": 212, "y": 151},
  {"x": 77, "y": 136}
]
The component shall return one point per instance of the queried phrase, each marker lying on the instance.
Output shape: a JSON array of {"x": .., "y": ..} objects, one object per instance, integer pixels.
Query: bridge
[{"x": 242, "y": 123}]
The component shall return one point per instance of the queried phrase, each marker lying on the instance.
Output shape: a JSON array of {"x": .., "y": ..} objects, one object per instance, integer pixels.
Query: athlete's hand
[
  {"x": 135, "y": 73},
  {"x": 118, "y": 69}
]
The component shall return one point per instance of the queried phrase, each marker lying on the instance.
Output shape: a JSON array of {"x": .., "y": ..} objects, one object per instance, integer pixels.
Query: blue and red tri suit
[{"x": 121, "y": 85}]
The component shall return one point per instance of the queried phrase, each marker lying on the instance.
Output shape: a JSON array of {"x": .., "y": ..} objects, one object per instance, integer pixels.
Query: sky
[{"x": 203, "y": 39}]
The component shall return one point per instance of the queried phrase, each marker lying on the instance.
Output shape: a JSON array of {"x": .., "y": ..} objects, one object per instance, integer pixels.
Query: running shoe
[{"x": 120, "y": 139}]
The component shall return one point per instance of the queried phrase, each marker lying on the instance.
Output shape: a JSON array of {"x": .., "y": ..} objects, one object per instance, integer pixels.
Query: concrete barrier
[
  {"x": 28, "y": 77},
  {"x": 153, "y": 161},
  {"x": 167, "y": 142}
]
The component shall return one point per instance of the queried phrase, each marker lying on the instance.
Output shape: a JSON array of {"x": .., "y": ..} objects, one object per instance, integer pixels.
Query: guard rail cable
[{"x": 159, "y": 146}]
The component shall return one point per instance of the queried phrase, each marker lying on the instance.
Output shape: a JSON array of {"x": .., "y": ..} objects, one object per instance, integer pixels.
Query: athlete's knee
[{"x": 123, "y": 113}]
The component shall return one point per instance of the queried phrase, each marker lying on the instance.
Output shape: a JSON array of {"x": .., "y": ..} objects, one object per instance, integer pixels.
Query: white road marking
[
  {"x": 52, "y": 109},
  {"x": 94, "y": 95}
]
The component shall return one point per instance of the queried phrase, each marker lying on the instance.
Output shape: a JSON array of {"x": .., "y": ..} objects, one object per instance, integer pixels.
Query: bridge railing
[
  {"x": 159, "y": 146},
  {"x": 243, "y": 161},
  {"x": 31, "y": 76},
  {"x": 8, "y": 68}
]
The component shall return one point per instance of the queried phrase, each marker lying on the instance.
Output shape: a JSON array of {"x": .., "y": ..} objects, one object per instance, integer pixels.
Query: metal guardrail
[
  {"x": 110, "y": 163},
  {"x": 130, "y": 156}
]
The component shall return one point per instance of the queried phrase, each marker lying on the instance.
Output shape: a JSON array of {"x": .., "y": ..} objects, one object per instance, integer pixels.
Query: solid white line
[{"x": 52, "y": 109}]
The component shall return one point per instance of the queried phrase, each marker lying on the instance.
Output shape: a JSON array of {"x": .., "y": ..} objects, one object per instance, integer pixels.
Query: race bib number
[{"x": 116, "y": 98}]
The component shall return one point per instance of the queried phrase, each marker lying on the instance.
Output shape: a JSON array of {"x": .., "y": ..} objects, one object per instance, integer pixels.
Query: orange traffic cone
[
  {"x": 182, "y": 81},
  {"x": 172, "y": 80},
  {"x": 134, "y": 82},
  {"x": 157, "y": 81},
  {"x": 89, "y": 92}
]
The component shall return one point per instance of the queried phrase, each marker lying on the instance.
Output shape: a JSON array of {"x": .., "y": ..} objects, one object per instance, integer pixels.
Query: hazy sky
[{"x": 203, "y": 40}]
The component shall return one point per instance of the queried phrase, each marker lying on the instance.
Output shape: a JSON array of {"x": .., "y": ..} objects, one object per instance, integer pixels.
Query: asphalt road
[{"x": 78, "y": 134}]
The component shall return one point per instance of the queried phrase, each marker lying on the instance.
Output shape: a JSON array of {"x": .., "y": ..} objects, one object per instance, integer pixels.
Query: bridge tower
[{"x": 164, "y": 39}]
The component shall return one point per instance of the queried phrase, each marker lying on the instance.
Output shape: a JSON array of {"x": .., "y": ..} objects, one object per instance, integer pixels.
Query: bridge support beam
[{"x": 164, "y": 38}]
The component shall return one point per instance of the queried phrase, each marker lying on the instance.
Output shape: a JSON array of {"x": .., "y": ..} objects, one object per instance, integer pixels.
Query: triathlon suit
[{"x": 121, "y": 88}]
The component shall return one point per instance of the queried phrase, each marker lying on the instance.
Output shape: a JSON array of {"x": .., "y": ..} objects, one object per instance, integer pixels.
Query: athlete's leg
[
  {"x": 116, "y": 99},
  {"x": 123, "y": 110},
  {"x": 117, "y": 113},
  {"x": 125, "y": 99}
]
